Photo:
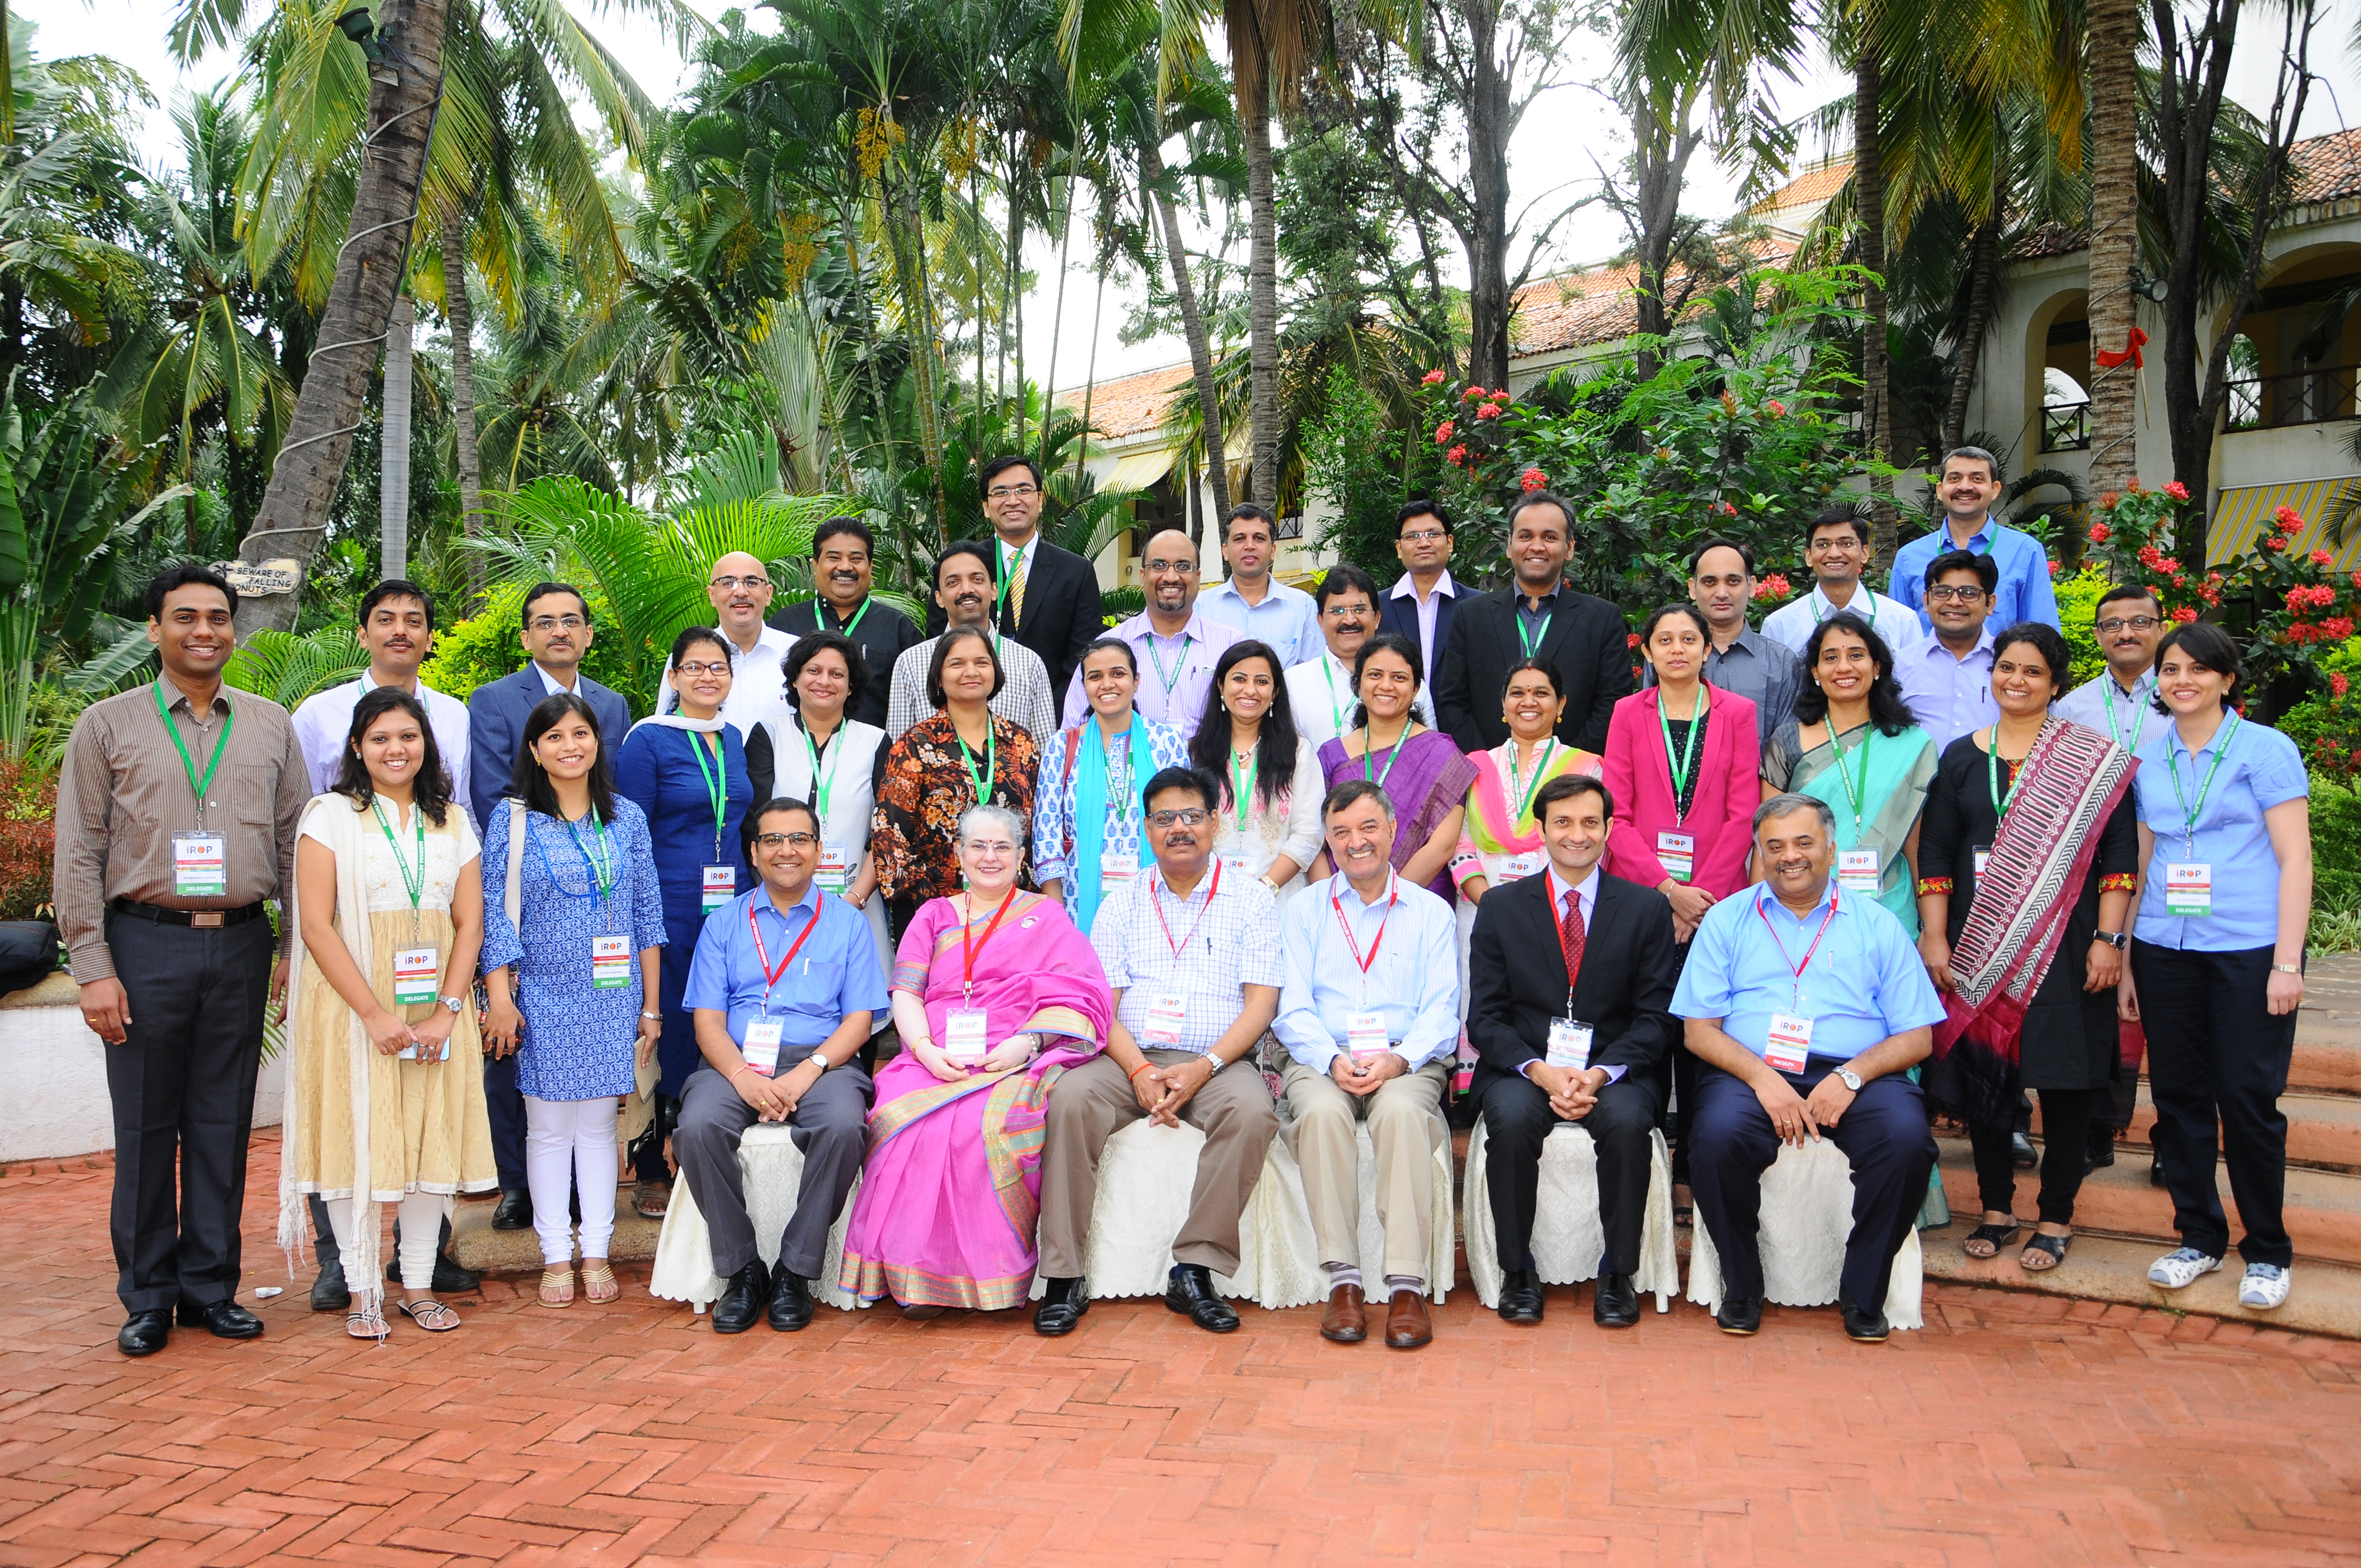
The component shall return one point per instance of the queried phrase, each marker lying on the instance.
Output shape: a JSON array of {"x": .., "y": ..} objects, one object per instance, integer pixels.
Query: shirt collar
[
  {"x": 1139, "y": 626},
  {"x": 1747, "y": 639},
  {"x": 549, "y": 682},
  {"x": 1862, "y": 595},
  {"x": 2173, "y": 742},
  {"x": 1340, "y": 888},
  {"x": 1517, "y": 595},
  {"x": 1767, "y": 900},
  {"x": 1408, "y": 587},
  {"x": 1987, "y": 530},
  {"x": 808, "y": 903},
  {"x": 1587, "y": 890},
  {"x": 1204, "y": 888},
  {"x": 181, "y": 699},
  {"x": 1933, "y": 647}
]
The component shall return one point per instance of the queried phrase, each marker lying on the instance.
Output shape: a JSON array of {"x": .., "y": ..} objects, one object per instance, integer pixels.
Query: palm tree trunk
[
  {"x": 393, "y": 450},
  {"x": 906, "y": 231},
  {"x": 1262, "y": 294},
  {"x": 1869, "y": 199},
  {"x": 1983, "y": 265},
  {"x": 459, "y": 313},
  {"x": 294, "y": 512},
  {"x": 1192, "y": 323},
  {"x": 1058, "y": 311},
  {"x": 2111, "y": 31},
  {"x": 881, "y": 418}
]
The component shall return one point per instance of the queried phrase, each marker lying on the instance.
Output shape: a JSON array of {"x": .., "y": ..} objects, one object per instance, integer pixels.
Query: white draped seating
[
  {"x": 1806, "y": 1215},
  {"x": 1567, "y": 1240},
  {"x": 772, "y": 1169}
]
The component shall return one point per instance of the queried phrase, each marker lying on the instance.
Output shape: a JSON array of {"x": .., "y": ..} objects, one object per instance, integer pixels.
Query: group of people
[{"x": 1342, "y": 850}]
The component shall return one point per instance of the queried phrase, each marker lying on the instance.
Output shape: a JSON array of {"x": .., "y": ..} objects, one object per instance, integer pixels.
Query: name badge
[
  {"x": 200, "y": 865},
  {"x": 1857, "y": 871},
  {"x": 720, "y": 887},
  {"x": 1790, "y": 1042},
  {"x": 611, "y": 963},
  {"x": 1365, "y": 1034},
  {"x": 1678, "y": 853},
  {"x": 1115, "y": 871},
  {"x": 414, "y": 975},
  {"x": 2189, "y": 889},
  {"x": 1238, "y": 866},
  {"x": 762, "y": 1048},
  {"x": 835, "y": 868},
  {"x": 963, "y": 1035},
  {"x": 1514, "y": 867},
  {"x": 1166, "y": 1010},
  {"x": 1983, "y": 858},
  {"x": 1569, "y": 1044}
]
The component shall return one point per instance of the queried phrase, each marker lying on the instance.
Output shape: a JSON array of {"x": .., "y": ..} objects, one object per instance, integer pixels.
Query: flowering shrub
[{"x": 29, "y": 803}]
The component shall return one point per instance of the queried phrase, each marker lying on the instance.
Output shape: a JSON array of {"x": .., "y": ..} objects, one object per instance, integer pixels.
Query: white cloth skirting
[
  {"x": 1567, "y": 1240},
  {"x": 773, "y": 1168},
  {"x": 1806, "y": 1216}
]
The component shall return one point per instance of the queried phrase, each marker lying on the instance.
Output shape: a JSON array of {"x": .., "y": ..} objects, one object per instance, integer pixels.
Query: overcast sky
[{"x": 1552, "y": 157}]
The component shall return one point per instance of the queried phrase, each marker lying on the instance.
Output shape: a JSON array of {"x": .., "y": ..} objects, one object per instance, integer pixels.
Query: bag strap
[
  {"x": 1066, "y": 782},
  {"x": 516, "y": 856}
]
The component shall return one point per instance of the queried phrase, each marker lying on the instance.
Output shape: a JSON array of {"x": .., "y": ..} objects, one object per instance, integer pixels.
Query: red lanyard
[
  {"x": 1211, "y": 893},
  {"x": 762, "y": 954},
  {"x": 1393, "y": 896},
  {"x": 969, "y": 946},
  {"x": 1815, "y": 947}
]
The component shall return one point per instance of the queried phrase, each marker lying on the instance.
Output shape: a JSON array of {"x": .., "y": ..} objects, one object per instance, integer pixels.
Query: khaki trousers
[
  {"x": 1405, "y": 1128},
  {"x": 1092, "y": 1101}
]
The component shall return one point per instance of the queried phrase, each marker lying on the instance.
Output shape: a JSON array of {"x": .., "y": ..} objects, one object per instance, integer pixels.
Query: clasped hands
[
  {"x": 1163, "y": 1091},
  {"x": 1357, "y": 1076},
  {"x": 391, "y": 1037},
  {"x": 1013, "y": 1052},
  {"x": 1572, "y": 1092}
]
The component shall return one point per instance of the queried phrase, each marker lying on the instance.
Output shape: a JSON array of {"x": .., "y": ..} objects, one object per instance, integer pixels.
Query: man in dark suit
[
  {"x": 1582, "y": 637},
  {"x": 1570, "y": 987},
  {"x": 1046, "y": 599},
  {"x": 1419, "y": 606},
  {"x": 842, "y": 548},
  {"x": 557, "y": 632}
]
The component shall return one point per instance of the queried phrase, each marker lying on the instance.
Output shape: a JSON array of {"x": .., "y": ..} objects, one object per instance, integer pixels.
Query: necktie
[
  {"x": 1016, "y": 590},
  {"x": 1570, "y": 937}
]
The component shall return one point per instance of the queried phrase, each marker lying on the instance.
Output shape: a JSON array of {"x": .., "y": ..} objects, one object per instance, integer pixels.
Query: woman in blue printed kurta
[
  {"x": 572, "y": 975},
  {"x": 1086, "y": 807}
]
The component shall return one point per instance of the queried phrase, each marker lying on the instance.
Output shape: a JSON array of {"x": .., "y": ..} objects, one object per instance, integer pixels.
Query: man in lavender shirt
[{"x": 1175, "y": 645}]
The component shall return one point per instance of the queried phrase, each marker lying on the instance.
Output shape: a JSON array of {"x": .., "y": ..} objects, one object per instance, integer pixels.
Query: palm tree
[{"x": 2113, "y": 31}]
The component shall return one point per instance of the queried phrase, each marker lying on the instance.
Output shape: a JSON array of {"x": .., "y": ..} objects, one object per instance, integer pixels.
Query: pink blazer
[{"x": 1729, "y": 764}]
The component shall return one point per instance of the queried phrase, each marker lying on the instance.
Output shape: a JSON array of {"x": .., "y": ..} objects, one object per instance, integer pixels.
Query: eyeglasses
[
  {"x": 1190, "y": 818},
  {"x": 1421, "y": 536},
  {"x": 731, "y": 585},
  {"x": 1158, "y": 568},
  {"x": 1822, "y": 546},
  {"x": 2137, "y": 623},
  {"x": 1347, "y": 611},
  {"x": 989, "y": 846},
  {"x": 1011, "y": 492},
  {"x": 1965, "y": 596},
  {"x": 792, "y": 841},
  {"x": 696, "y": 669},
  {"x": 545, "y": 624}
]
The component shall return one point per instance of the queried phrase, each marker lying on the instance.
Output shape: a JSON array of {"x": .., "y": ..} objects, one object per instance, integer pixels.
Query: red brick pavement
[{"x": 632, "y": 1434}]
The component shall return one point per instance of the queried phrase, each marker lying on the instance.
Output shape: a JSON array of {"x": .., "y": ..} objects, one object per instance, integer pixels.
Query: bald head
[
  {"x": 740, "y": 588},
  {"x": 1167, "y": 571}
]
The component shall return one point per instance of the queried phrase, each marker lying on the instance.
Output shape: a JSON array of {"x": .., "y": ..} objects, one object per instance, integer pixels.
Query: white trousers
[
  {"x": 571, "y": 1144},
  {"x": 420, "y": 1214}
]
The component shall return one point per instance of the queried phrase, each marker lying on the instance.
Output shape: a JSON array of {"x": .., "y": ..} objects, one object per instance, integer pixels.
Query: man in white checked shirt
[{"x": 1192, "y": 956}]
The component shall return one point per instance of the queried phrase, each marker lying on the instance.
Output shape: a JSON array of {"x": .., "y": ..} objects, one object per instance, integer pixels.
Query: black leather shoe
[
  {"x": 1868, "y": 1327},
  {"x": 1615, "y": 1303},
  {"x": 1190, "y": 1291},
  {"x": 448, "y": 1276},
  {"x": 2156, "y": 1170},
  {"x": 2021, "y": 1152},
  {"x": 514, "y": 1211},
  {"x": 223, "y": 1319},
  {"x": 329, "y": 1293},
  {"x": 1739, "y": 1316},
  {"x": 144, "y": 1333},
  {"x": 743, "y": 1299},
  {"x": 1520, "y": 1297},
  {"x": 1063, "y": 1306},
  {"x": 791, "y": 1303}
]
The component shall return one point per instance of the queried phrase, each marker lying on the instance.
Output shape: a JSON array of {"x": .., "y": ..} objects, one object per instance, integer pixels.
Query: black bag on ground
[{"x": 28, "y": 952}]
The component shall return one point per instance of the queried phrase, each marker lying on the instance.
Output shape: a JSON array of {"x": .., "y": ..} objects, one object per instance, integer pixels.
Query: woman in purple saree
[{"x": 995, "y": 994}]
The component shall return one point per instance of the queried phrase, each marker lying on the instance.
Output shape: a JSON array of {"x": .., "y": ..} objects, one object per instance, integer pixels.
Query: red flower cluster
[
  {"x": 1488, "y": 410},
  {"x": 1726, "y": 509},
  {"x": 1443, "y": 432},
  {"x": 2184, "y": 614},
  {"x": 2107, "y": 501},
  {"x": 2338, "y": 683},
  {"x": 2156, "y": 560},
  {"x": 2101, "y": 533},
  {"x": 2177, "y": 490},
  {"x": 1533, "y": 479},
  {"x": 1456, "y": 456},
  {"x": 1775, "y": 408},
  {"x": 2323, "y": 559},
  {"x": 2319, "y": 596},
  {"x": 1630, "y": 640},
  {"x": 1774, "y": 587},
  {"x": 2289, "y": 519},
  {"x": 2337, "y": 628},
  {"x": 1432, "y": 378}
]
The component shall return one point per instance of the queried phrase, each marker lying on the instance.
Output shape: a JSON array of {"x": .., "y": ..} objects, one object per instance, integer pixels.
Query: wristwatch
[
  {"x": 2114, "y": 940},
  {"x": 453, "y": 1003},
  {"x": 2287, "y": 968},
  {"x": 653, "y": 1017},
  {"x": 1851, "y": 1079}
]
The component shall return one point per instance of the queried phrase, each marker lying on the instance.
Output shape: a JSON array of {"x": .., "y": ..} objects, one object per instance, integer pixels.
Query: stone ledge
[
  {"x": 2326, "y": 1299},
  {"x": 57, "y": 990},
  {"x": 475, "y": 1245}
]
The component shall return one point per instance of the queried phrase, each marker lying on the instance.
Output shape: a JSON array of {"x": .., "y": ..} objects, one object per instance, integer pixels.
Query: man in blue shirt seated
[
  {"x": 1969, "y": 485},
  {"x": 1805, "y": 1006},
  {"x": 782, "y": 986},
  {"x": 1368, "y": 1010}
]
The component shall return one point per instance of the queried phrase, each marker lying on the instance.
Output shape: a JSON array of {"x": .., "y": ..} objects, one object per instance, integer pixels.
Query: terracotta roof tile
[
  {"x": 1129, "y": 405},
  {"x": 1592, "y": 304}
]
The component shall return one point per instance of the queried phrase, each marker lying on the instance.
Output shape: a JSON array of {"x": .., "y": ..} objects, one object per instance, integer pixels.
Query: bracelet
[
  {"x": 1143, "y": 1067},
  {"x": 2288, "y": 968},
  {"x": 653, "y": 1017}
]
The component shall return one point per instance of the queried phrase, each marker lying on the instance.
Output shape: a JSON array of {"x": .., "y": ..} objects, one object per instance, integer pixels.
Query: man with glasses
[
  {"x": 1969, "y": 485},
  {"x": 739, "y": 589},
  {"x": 1947, "y": 679},
  {"x": 1751, "y": 664},
  {"x": 784, "y": 985},
  {"x": 1319, "y": 690},
  {"x": 1418, "y": 606},
  {"x": 1835, "y": 549},
  {"x": 1043, "y": 597},
  {"x": 963, "y": 588},
  {"x": 1176, "y": 646},
  {"x": 842, "y": 549},
  {"x": 1192, "y": 956},
  {"x": 1253, "y": 603}
]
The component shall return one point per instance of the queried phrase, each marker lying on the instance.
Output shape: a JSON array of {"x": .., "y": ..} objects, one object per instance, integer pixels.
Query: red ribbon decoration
[{"x": 2108, "y": 361}]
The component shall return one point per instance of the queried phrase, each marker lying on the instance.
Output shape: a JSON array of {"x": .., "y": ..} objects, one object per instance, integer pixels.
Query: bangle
[
  {"x": 653, "y": 1017},
  {"x": 743, "y": 1067},
  {"x": 1143, "y": 1067}
]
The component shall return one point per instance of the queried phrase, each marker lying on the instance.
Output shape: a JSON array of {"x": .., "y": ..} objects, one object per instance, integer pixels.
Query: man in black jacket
[
  {"x": 1570, "y": 988},
  {"x": 1046, "y": 599},
  {"x": 842, "y": 553},
  {"x": 1582, "y": 637}
]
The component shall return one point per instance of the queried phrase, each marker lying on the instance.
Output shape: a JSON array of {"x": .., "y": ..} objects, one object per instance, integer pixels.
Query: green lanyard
[
  {"x": 824, "y": 787},
  {"x": 1854, "y": 797},
  {"x": 600, "y": 859},
  {"x": 1173, "y": 677},
  {"x": 1335, "y": 714},
  {"x": 2127, "y": 737},
  {"x": 981, "y": 780},
  {"x": 1680, "y": 769},
  {"x": 187, "y": 762},
  {"x": 2001, "y": 803},
  {"x": 716, "y": 786},
  {"x": 1521, "y": 793},
  {"x": 1241, "y": 782},
  {"x": 1391, "y": 761},
  {"x": 1117, "y": 745},
  {"x": 413, "y": 882},
  {"x": 849, "y": 625},
  {"x": 1529, "y": 642},
  {"x": 2188, "y": 831}
]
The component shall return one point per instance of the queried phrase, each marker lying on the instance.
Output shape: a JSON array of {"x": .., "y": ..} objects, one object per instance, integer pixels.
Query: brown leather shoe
[
  {"x": 1407, "y": 1324},
  {"x": 1346, "y": 1321}
]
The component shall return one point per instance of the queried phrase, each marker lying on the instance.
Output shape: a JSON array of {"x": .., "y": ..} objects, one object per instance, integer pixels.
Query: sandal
[
  {"x": 599, "y": 1280},
  {"x": 2052, "y": 1247},
  {"x": 558, "y": 1286},
  {"x": 651, "y": 1200},
  {"x": 430, "y": 1315},
  {"x": 365, "y": 1322},
  {"x": 1992, "y": 1238}
]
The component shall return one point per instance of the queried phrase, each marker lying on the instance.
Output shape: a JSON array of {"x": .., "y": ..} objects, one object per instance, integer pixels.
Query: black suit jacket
[
  {"x": 1062, "y": 616},
  {"x": 883, "y": 635},
  {"x": 1516, "y": 978},
  {"x": 1399, "y": 616},
  {"x": 1587, "y": 643}
]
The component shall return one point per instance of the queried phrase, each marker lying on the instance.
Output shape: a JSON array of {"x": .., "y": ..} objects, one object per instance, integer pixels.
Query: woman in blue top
[
  {"x": 1086, "y": 809},
  {"x": 572, "y": 921},
  {"x": 687, "y": 770},
  {"x": 2217, "y": 957}
]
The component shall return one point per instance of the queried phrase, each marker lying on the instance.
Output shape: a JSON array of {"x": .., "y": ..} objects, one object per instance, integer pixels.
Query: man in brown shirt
[{"x": 177, "y": 811}]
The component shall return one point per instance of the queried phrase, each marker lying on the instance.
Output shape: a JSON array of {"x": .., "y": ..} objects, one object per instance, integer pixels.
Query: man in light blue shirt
[
  {"x": 1369, "y": 1013},
  {"x": 1806, "y": 1007},
  {"x": 783, "y": 988},
  {"x": 2120, "y": 701},
  {"x": 1947, "y": 679},
  {"x": 1970, "y": 482},
  {"x": 1176, "y": 643},
  {"x": 1835, "y": 549},
  {"x": 1253, "y": 603}
]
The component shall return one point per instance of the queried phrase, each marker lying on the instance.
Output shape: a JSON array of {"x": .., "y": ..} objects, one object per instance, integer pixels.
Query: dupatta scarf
[{"x": 1890, "y": 778}]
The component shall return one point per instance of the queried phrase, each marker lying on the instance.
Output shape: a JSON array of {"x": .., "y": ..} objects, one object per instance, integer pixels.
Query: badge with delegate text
[
  {"x": 1789, "y": 1043},
  {"x": 2189, "y": 889},
  {"x": 963, "y": 1035},
  {"x": 1166, "y": 1010},
  {"x": 1235, "y": 865},
  {"x": 1983, "y": 858},
  {"x": 720, "y": 887},
  {"x": 762, "y": 1048},
  {"x": 1857, "y": 871},
  {"x": 414, "y": 976},
  {"x": 611, "y": 963},
  {"x": 200, "y": 865},
  {"x": 835, "y": 868},
  {"x": 416, "y": 1052},
  {"x": 1678, "y": 853},
  {"x": 1515, "y": 867},
  {"x": 1364, "y": 1035},
  {"x": 1115, "y": 871},
  {"x": 1569, "y": 1044}
]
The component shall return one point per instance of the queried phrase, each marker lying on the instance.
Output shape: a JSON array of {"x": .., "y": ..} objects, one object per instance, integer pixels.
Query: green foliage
[
  {"x": 2335, "y": 843},
  {"x": 28, "y": 802},
  {"x": 287, "y": 668},
  {"x": 2078, "y": 605},
  {"x": 1354, "y": 463},
  {"x": 490, "y": 644}
]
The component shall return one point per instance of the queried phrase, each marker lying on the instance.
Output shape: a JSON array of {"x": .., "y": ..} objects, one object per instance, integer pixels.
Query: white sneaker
[
  {"x": 2265, "y": 1285},
  {"x": 2183, "y": 1266}
]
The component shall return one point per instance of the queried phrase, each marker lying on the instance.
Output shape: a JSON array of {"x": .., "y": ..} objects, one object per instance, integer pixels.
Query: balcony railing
[
  {"x": 2066, "y": 427},
  {"x": 2313, "y": 395}
]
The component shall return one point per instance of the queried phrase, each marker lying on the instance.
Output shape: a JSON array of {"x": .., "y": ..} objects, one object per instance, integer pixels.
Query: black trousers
[
  {"x": 2215, "y": 1051},
  {"x": 1518, "y": 1120},
  {"x": 1886, "y": 1135},
  {"x": 504, "y": 1108},
  {"x": 2065, "y": 1140},
  {"x": 182, "y": 1088}
]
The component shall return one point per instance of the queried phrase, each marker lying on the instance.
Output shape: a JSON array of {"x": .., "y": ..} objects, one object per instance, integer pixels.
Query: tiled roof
[
  {"x": 1130, "y": 404},
  {"x": 2328, "y": 169},
  {"x": 1594, "y": 304},
  {"x": 1811, "y": 188}
]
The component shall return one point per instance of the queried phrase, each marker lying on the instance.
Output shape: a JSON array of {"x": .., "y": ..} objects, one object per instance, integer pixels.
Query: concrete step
[
  {"x": 2324, "y": 1130},
  {"x": 475, "y": 1245},
  {"x": 2326, "y": 1299}
]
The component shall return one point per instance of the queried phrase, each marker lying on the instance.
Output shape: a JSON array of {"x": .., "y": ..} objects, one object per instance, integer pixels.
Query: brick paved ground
[{"x": 2088, "y": 1434}]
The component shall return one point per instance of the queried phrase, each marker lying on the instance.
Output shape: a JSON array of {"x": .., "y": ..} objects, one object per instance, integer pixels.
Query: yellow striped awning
[
  {"x": 1138, "y": 470},
  {"x": 2245, "y": 511}
]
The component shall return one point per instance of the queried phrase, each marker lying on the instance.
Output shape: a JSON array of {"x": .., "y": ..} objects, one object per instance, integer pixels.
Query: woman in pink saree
[{"x": 995, "y": 994}]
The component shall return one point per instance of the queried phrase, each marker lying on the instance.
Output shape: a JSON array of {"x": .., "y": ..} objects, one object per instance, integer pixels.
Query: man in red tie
[{"x": 1570, "y": 987}]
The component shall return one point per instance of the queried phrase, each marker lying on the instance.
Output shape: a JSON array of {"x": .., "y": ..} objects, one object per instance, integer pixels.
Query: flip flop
[{"x": 2053, "y": 1248}]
